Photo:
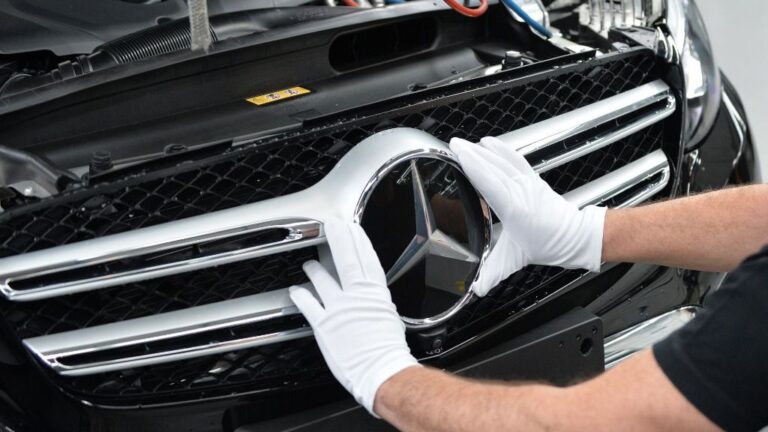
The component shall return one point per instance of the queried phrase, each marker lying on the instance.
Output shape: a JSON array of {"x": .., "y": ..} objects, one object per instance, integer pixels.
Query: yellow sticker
[
  {"x": 460, "y": 287},
  {"x": 278, "y": 95}
]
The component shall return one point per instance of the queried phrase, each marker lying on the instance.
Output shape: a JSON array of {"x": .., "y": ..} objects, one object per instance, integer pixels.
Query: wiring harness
[
  {"x": 535, "y": 25},
  {"x": 474, "y": 12},
  {"x": 466, "y": 10}
]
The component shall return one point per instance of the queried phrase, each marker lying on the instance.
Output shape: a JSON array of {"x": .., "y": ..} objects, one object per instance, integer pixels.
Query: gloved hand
[
  {"x": 357, "y": 327},
  {"x": 540, "y": 226}
]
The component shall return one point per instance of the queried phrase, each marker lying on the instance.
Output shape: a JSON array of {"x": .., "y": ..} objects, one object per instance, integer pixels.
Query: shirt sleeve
[{"x": 719, "y": 361}]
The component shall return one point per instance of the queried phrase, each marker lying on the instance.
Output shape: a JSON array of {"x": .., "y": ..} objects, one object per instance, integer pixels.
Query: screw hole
[{"x": 586, "y": 346}]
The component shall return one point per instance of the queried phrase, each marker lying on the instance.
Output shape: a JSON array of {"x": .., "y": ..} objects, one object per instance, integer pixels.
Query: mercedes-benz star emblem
[
  {"x": 428, "y": 239},
  {"x": 427, "y": 224}
]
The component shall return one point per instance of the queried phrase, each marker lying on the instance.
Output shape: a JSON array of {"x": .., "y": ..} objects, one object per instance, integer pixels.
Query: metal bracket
[{"x": 31, "y": 175}]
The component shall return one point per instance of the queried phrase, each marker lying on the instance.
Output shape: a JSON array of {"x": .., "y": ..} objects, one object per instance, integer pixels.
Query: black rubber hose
[{"x": 151, "y": 42}]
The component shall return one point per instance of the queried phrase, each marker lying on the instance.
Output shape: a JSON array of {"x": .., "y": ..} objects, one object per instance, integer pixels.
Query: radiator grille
[{"x": 275, "y": 166}]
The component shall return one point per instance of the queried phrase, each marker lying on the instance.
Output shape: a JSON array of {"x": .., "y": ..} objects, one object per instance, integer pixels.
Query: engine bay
[{"x": 315, "y": 63}]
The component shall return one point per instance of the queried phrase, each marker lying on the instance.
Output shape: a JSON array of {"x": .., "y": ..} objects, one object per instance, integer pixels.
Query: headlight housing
[{"x": 702, "y": 77}]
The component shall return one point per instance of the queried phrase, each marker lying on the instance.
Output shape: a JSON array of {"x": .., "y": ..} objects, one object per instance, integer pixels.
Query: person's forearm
[
  {"x": 426, "y": 399},
  {"x": 634, "y": 396},
  {"x": 712, "y": 231}
]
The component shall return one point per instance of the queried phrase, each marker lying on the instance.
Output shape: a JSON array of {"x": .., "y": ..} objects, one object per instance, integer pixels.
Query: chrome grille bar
[
  {"x": 544, "y": 134},
  {"x": 301, "y": 234},
  {"x": 607, "y": 138},
  {"x": 650, "y": 174},
  {"x": 55, "y": 349}
]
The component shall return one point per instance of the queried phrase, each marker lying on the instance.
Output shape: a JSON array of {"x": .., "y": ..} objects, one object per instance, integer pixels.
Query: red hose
[
  {"x": 468, "y": 11},
  {"x": 351, "y": 3}
]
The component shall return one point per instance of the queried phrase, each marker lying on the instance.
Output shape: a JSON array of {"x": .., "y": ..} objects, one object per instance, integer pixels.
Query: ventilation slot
[{"x": 381, "y": 44}]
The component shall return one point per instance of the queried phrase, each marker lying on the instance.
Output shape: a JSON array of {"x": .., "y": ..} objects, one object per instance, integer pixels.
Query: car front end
[{"x": 156, "y": 202}]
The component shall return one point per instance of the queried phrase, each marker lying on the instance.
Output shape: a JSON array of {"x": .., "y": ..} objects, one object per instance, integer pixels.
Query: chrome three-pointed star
[{"x": 450, "y": 258}]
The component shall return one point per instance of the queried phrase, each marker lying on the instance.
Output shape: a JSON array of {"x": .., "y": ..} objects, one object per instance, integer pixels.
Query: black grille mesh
[
  {"x": 520, "y": 291},
  {"x": 273, "y": 366},
  {"x": 276, "y": 166},
  {"x": 242, "y": 179}
]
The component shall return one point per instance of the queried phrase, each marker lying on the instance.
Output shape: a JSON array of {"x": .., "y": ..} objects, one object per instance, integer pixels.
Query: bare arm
[
  {"x": 713, "y": 231},
  {"x": 635, "y": 395}
]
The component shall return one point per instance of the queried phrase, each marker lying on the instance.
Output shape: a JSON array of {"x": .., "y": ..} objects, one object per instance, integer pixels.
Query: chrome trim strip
[
  {"x": 300, "y": 234},
  {"x": 624, "y": 344},
  {"x": 608, "y": 138},
  {"x": 551, "y": 131},
  {"x": 55, "y": 348},
  {"x": 614, "y": 183}
]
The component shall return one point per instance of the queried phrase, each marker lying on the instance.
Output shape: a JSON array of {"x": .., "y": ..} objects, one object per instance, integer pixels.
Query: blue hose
[{"x": 527, "y": 18}]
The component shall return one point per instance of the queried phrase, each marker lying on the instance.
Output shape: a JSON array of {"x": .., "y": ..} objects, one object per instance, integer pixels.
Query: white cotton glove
[
  {"x": 357, "y": 327},
  {"x": 540, "y": 226}
]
